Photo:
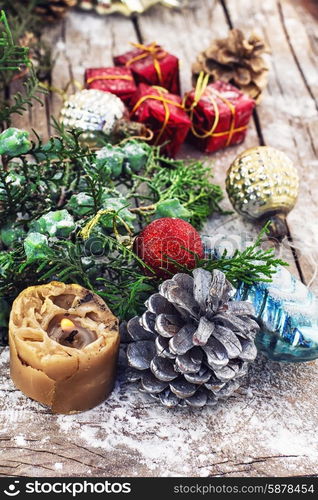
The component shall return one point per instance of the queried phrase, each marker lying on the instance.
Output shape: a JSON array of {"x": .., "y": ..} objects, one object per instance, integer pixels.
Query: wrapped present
[
  {"x": 118, "y": 81},
  {"x": 162, "y": 113},
  {"x": 220, "y": 114},
  {"x": 152, "y": 65}
]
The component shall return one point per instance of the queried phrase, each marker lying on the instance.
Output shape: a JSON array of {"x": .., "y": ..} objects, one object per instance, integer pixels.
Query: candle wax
[{"x": 72, "y": 334}]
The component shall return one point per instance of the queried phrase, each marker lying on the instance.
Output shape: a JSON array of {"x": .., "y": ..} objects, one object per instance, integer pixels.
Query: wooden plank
[
  {"x": 79, "y": 41},
  {"x": 288, "y": 113},
  {"x": 196, "y": 28},
  {"x": 190, "y": 32},
  {"x": 34, "y": 118},
  {"x": 85, "y": 40},
  {"x": 301, "y": 17},
  {"x": 37, "y": 116},
  {"x": 267, "y": 429}
]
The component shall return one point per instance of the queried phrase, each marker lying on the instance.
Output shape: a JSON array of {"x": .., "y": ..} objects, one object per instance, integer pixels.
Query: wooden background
[{"x": 269, "y": 427}]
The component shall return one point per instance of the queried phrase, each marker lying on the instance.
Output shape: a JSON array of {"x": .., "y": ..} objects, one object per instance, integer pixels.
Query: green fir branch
[
  {"x": 190, "y": 183},
  {"x": 12, "y": 56},
  {"x": 63, "y": 167},
  {"x": 21, "y": 100},
  {"x": 248, "y": 266}
]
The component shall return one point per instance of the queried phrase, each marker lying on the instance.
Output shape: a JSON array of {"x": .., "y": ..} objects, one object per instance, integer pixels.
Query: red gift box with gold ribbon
[
  {"x": 117, "y": 80},
  {"x": 152, "y": 65},
  {"x": 220, "y": 114},
  {"x": 162, "y": 113}
]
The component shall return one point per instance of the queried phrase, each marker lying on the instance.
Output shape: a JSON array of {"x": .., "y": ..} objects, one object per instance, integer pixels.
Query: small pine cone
[
  {"x": 53, "y": 10},
  {"x": 126, "y": 129},
  {"x": 193, "y": 344},
  {"x": 236, "y": 60}
]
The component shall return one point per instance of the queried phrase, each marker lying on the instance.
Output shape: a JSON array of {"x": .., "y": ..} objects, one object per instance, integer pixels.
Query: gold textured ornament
[
  {"x": 126, "y": 7},
  {"x": 262, "y": 184}
]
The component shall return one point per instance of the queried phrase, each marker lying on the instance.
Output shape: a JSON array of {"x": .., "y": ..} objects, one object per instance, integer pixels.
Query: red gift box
[
  {"x": 162, "y": 113},
  {"x": 220, "y": 114},
  {"x": 118, "y": 81},
  {"x": 152, "y": 65}
]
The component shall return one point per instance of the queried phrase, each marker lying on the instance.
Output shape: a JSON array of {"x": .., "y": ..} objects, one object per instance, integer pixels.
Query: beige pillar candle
[{"x": 64, "y": 344}]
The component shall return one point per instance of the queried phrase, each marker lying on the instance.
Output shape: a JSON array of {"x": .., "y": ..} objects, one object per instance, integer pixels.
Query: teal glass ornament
[{"x": 287, "y": 312}]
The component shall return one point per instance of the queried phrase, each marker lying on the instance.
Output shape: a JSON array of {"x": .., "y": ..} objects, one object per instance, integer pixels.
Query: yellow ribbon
[
  {"x": 153, "y": 50},
  {"x": 200, "y": 88},
  {"x": 108, "y": 77},
  {"x": 61, "y": 92},
  {"x": 165, "y": 103},
  {"x": 87, "y": 229}
]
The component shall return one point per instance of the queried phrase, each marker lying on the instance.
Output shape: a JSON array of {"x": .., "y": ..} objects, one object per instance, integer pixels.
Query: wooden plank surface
[
  {"x": 288, "y": 114},
  {"x": 194, "y": 34},
  {"x": 269, "y": 426}
]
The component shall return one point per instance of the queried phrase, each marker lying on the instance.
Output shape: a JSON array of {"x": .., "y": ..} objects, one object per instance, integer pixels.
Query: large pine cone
[
  {"x": 193, "y": 344},
  {"x": 236, "y": 60},
  {"x": 52, "y": 10}
]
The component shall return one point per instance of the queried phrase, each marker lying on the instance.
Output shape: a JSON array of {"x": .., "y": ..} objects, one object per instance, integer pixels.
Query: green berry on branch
[
  {"x": 14, "y": 142},
  {"x": 11, "y": 233},
  {"x": 36, "y": 246},
  {"x": 110, "y": 160},
  {"x": 131, "y": 156},
  {"x": 172, "y": 208},
  {"x": 136, "y": 154},
  {"x": 119, "y": 206},
  {"x": 81, "y": 204}
]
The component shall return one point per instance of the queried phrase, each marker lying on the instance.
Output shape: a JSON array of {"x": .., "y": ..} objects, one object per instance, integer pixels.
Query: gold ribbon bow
[
  {"x": 200, "y": 88},
  {"x": 108, "y": 77},
  {"x": 153, "y": 50},
  {"x": 63, "y": 93},
  {"x": 165, "y": 103}
]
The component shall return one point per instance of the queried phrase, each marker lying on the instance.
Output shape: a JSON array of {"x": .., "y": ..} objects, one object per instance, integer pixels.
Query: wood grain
[
  {"x": 195, "y": 34},
  {"x": 288, "y": 114},
  {"x": 269, "y": 427}
]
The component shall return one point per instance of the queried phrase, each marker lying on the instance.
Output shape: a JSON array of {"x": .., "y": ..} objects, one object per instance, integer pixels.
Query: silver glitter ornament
[
  {"x": 92, "y": 110},
  {"x": 262, "y": 183}
]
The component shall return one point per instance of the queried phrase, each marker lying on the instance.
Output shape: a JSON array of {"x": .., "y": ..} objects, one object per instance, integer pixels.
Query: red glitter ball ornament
[{"x": 169, "y": 238}]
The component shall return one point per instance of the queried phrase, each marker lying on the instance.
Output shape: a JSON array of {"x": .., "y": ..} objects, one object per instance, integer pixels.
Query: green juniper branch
[
  {"x": 248, "y": 266},
  {"x": 117, "y": 274},
  {"x": 13, "y": 57},
  {"x": 189, "y": 183},
  {"x": 65, "y": 178}
]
